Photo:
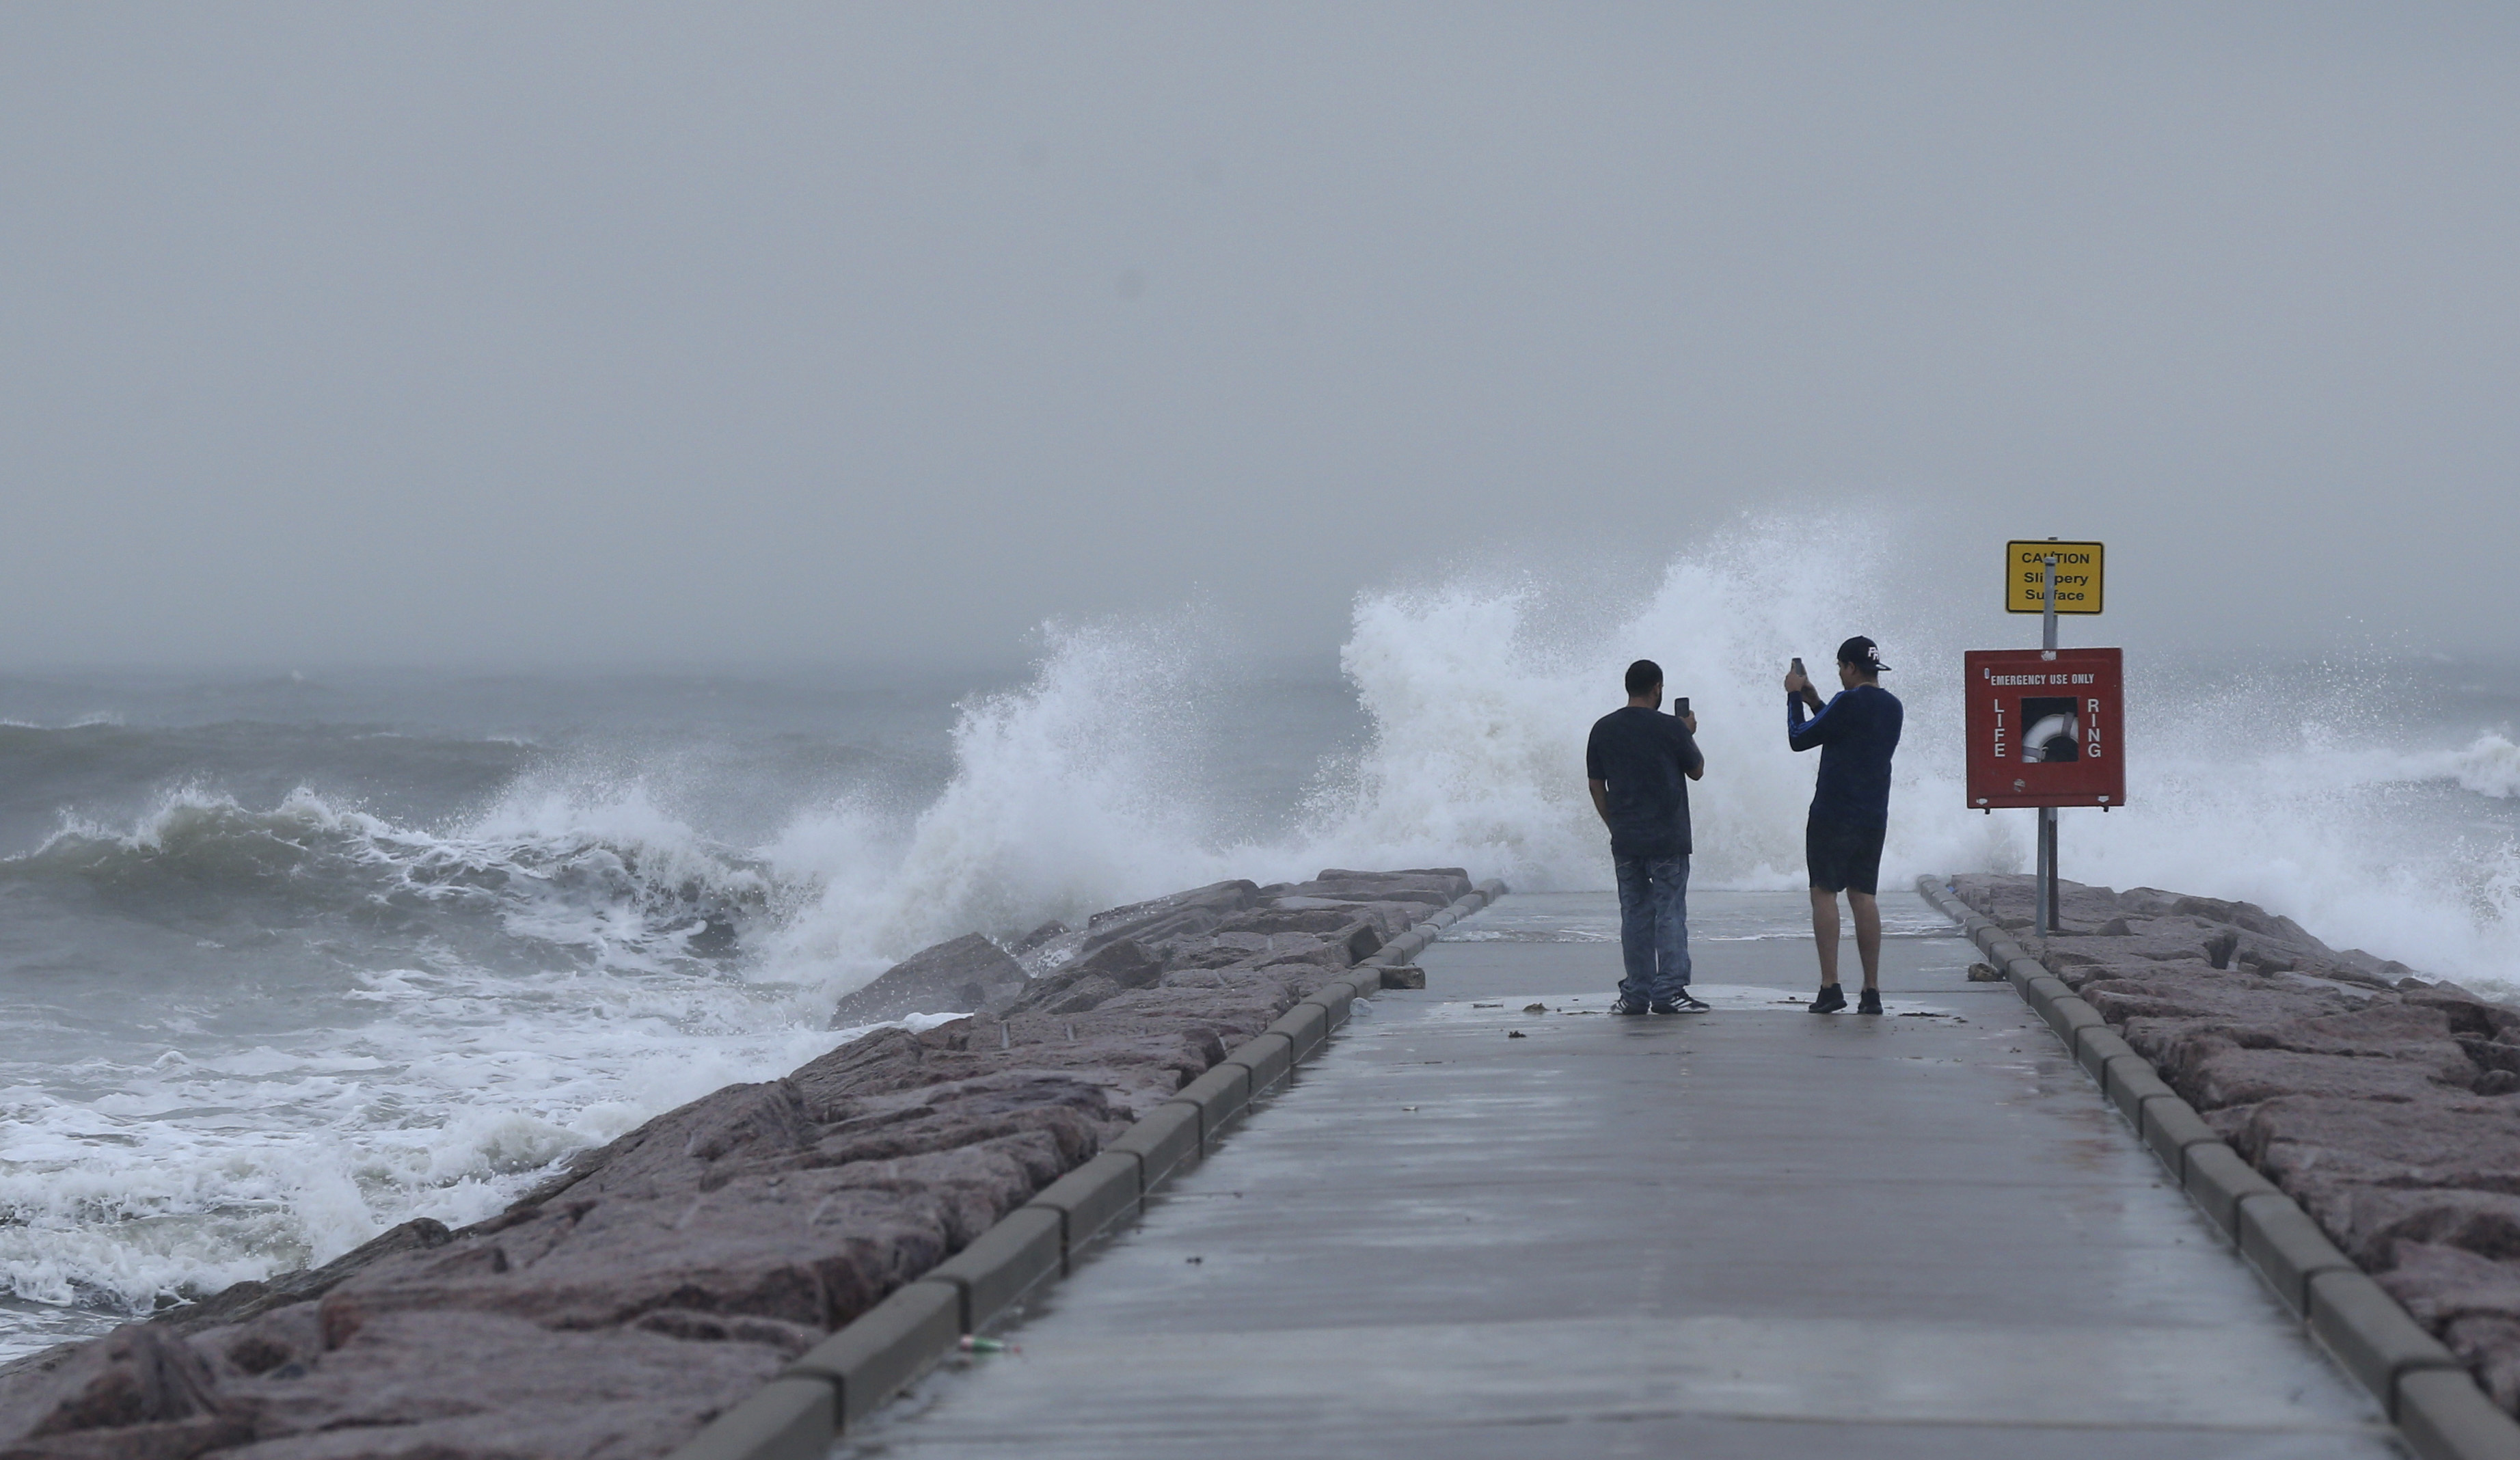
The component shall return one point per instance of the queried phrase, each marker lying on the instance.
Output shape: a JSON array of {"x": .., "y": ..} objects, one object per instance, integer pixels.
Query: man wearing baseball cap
[{"x": 1850, "y": 811}]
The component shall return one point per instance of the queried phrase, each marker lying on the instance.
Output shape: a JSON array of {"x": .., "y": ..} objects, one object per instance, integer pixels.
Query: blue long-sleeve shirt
[{"x": 1856, "y": 733}]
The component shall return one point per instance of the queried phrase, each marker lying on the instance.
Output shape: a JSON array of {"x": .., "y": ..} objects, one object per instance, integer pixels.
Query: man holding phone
[
  {"x": 1856, "y": 733},
  {"x": 1638, "y": 763}
]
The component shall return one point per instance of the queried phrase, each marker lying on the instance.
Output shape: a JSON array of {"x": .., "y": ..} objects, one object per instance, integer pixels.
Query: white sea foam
[
  {"x": 1078, "y": 792},
  {"x": 193, "y": 1173},
  {"x": 438, "y": 1087},
  {"x": 1073, "y": 793},
  {"x": 2261, "y": 794},
  {"x": 1082, "y": 789},
  {"x": 186, "y": 1163},
  {"x": 2377, "y": 848},
  {"x": 2488, "y": 768}
]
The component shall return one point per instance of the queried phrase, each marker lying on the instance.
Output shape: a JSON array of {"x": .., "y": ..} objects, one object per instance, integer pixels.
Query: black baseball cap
[{"x": 1862, "y": 652}]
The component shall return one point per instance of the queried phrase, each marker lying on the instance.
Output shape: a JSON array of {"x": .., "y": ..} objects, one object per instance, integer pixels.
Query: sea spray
[
  {"x": 292, "y": 1026},
  {"x": 2298, "y": 791},
  {"x": 1479, "y": 720},
  {"x": 1090, "y": 786},
  {"x": 248, "y": 1031},
  {"x": 1077, "y": 792}
]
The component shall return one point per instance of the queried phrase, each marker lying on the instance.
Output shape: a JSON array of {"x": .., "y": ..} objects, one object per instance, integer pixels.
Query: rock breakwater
[
  {"x": 2387, "y": 1105},
  {"x": 652, "y": 1281}
]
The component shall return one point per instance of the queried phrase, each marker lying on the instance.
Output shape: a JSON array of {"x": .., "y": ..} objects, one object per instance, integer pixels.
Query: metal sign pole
[{"x": 2045, "y": 891}]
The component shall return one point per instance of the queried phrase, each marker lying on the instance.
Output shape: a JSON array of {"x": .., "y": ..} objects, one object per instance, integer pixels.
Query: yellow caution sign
[{"x": 2078, "y": 576}]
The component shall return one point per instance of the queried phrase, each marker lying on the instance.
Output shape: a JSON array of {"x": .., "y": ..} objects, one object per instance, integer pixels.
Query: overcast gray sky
[{"x": 532, "y": 332}]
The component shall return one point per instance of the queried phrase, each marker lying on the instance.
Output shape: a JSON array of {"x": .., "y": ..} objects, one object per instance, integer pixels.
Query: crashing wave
[{"x": 625, "y": 879}]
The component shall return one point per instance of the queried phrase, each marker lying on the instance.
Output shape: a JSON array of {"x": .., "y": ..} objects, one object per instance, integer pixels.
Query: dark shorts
[{"x": 1843, "y": 858}]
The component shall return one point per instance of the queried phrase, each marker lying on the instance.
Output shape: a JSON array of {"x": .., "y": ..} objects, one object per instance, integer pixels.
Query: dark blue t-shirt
[
  {"x": 1856, "y": 732},
  {"x": 1645, "y": 757}
]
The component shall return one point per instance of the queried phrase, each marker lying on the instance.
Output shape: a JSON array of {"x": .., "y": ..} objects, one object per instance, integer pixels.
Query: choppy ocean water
[{"x": 286, "y": 959}]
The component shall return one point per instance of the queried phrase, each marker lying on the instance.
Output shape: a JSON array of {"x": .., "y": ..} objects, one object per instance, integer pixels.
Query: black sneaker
[
  {"x": 1868, "y": 1002},
  {"x": 1685, "y": 1003},
  {"x": 1627, "y": 1006},
  {"x": 1831, "y": 999}
]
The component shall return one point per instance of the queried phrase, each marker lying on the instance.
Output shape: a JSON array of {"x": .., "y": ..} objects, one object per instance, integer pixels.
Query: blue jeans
[{"x": 1653, "y": 926}]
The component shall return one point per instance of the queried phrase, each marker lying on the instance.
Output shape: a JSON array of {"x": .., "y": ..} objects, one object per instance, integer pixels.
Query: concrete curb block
[
  {"x": 1335, "y": 1000},
  {"x": 867, "y": 1362},
  {"x": 2172, "y": 1128},
  {"x": 1305, "y": 1026},
  {"x": 1407, "y": 946},
  {"x": 1269, "y": 1057},
  {"x": 846, "y": 1377},
  {"x": 1091, "y": 1200},
  {"x": 1220, "y": 1097},
  {"x": 2130, "y": 1082},
  {"x": 786, "y": 1419},
  {"x": 1024, "y": 1249},
  {"x": 2424, "y": 1390},
  {"x": 2445, "y": 1416},
  {"x": 2218, "y": 1180},
  {"x": 2041, "y": 994},
  {"x": 2070, "y": 1018},
  {"x": 1164, "y": 1140},
  {"x": 2288, "y": 1249},
  {"x": 2370, "y": 1334},
  {"x": 2095, "y": 1046}
]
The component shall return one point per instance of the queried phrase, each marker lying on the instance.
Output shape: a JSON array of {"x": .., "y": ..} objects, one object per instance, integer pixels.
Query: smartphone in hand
[
  {"x": 1680, "y": 706},
  {"x": 1810, "y": 695}
]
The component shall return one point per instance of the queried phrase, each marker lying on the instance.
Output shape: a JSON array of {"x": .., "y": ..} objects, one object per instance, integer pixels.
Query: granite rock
[
  {"x": 1159, "y": 921},
  {"x": 1453, "y": 881},
  {"x": 2378, "y": 1218},
  {"x": 2491, "y": 1350},
  {"x": 248, "y": 1298},
  {"x": 644, "y": 1286},
  {"x": 951, "y": 978},
  {"x": 139, "y": 1375},
  {"x": 492, "y": 1385},
  {"x": 2386, "y": 1104}
]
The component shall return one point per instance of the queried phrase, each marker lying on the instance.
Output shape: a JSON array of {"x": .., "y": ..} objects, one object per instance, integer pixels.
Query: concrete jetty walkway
[{"x": 1756, "y": 1232}]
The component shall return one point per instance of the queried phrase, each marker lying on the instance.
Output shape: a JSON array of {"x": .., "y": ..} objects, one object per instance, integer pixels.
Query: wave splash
[
  {"x": 577, "y": 958},
  {"x": 1081, "y": 791},
  {"x": 315, "y": 1023},
  {"x": 1077, "y": 793},
  {"x": 2491, "y": 766},
  {"x": 617, "y": 879}
]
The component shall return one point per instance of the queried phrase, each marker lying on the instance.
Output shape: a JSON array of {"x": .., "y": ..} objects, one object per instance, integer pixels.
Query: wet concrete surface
[{"x": 1752, "y": 1232}]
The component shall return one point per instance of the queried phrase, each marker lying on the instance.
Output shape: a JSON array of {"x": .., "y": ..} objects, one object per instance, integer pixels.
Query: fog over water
[{"x": 546, "y": 542}]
